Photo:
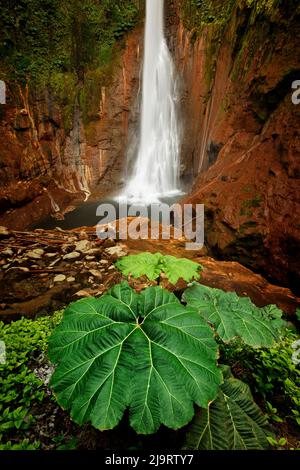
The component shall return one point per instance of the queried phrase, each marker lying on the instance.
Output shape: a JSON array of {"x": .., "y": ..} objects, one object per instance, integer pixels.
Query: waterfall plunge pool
[{"x": 85, "y": 215}]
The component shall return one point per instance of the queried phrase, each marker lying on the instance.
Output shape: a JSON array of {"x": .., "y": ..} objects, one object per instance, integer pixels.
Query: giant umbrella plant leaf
[
  {"x": 146, "y": 352},
  {"x": 152, "y": 265},
  {"x": 236, "y": 317},
  {"x": 232, "y": 422}
]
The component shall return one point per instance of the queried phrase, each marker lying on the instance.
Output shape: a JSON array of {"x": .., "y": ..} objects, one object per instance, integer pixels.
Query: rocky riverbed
[{"x": 42, "y": 271}]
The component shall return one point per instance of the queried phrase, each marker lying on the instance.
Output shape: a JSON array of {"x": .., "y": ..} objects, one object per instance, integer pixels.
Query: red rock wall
[
  {"x": 46, "y": 162},
  {"x": 242, "y": 137}
]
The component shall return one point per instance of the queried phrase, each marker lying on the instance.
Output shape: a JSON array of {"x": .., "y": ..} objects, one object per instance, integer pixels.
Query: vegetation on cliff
[
  {"x": 53, "y": 45},
  {"x": 40, "y": 37}
]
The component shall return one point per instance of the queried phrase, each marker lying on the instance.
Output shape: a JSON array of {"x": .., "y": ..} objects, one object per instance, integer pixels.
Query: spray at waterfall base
[{"x": 158, "y": 221}]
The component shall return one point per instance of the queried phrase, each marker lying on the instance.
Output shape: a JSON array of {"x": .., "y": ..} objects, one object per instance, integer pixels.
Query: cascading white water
[{"x": 156, "y": 171}]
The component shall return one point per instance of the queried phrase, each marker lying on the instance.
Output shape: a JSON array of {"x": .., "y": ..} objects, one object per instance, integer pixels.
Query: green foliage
[
  {"x": 261, "y": 6},
  {"x": 272, "y": 373},
  {"x": 183, "y": 268},
  {"x": 232, "y": 422},
  {"x": 143, "y": 264},
  {"x": 197, "y": 13},
  {"x": 146, "y": 352},
  {"x": 236, "y": 317},
  {"x": 22, "y": 445},
  {"x": 152, "y": 265},
  {"x": 19, "y": 386},
  {"x": 278, "y": 444},
  {"x": 64, "y": 443},
  {"x": 42, "y": 37}
]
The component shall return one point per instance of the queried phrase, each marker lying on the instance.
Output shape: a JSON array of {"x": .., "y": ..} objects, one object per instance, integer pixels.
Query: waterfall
[{"x": 156, "y": 170}]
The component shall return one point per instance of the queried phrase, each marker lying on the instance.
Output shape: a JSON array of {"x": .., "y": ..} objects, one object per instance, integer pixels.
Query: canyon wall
[
  {"x": 67, "y": 140},
  {"x": 241, "y": 129}
]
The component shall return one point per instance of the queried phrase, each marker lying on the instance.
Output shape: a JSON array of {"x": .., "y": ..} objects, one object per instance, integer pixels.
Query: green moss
[
  {"x": 40, "y": 38},
  {"x": 64, "y": 89},
  {"x": 198, "y": 13},
  {"x": 91, "y": 91}
]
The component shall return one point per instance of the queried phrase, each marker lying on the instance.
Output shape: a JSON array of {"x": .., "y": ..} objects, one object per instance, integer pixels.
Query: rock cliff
[
  {"x": 238, "y": 61},
  {"x": 67, "y": 140}
]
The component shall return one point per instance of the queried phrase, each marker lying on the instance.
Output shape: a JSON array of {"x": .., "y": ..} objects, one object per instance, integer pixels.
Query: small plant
[
  {"x": 150, "y": 353},
  {"x": 19, "y": 386},
  {"x": 152, "y": 265},
  {"x": 273, "y": 375},
  {"x": 23, "y": 445}
]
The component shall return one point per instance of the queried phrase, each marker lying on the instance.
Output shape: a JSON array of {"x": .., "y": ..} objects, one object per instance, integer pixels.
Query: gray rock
[
  {"x": 93, "y": 251},
  {"x": 4, "y": 232},
  {"x": 51, "y": 255},
  {"x": 71, "y": 279},
  {"x": 118, "y": 251},
  {"x": 73, "y": 255},
  {"x": 84, "y": 293},
  {"x": 35, "y": 254},
  {"x": 60, "y": 278},
  {"x": 95, "y": 273},
  {"x": 7, "y": 252},
  {"x": 90, "y": 258},
  {"x": 83, "y": 246},
  {"x": 104, "y": 262}
]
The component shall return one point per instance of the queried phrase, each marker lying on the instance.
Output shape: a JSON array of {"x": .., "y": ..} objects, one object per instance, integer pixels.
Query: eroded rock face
[
  {"x": 58, "y": 148},
  {"x": 242, "y": 140}
]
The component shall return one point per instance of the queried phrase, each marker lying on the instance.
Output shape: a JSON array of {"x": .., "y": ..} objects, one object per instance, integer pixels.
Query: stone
[
  {"x": 51, "y": 255},
  {"x": 71, "y": 256},
  {"x": 117, "y": 251},
  {"x": 35, "y": 254},
  {"x": 4, "y": 232},
  {"x": 60, "y": 278},
  {"x": 84, "y": 293},
  {"x": 7, "y": 252},
  {"x": 95, "y": 273},
  {"x": 71, "y": 279},
  {"x": 93, "y": 251},
  {"x": 83, "y": 246},
  {"x": 83, "y": 235},
  {"x": 90, "y": 258},
  {"x": 104, "y": 262}
]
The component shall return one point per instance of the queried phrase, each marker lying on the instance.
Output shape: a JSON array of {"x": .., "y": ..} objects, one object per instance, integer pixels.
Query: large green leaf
[
  {"x": 232, "y": 422},
  {"x": 180, "y": 268},
  {"x": 146, "y": 352},
  {"x": 143, "y": 264},
  {"x": 151, "y": 265},
  {"x": 235, "y": 316}
]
